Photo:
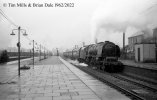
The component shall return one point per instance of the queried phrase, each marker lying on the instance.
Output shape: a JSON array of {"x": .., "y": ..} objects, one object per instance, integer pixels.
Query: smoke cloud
[{"x": 117, "y": 16}]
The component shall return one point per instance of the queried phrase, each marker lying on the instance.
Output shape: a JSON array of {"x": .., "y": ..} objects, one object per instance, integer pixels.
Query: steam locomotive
[{"x": 103, "y": 56}]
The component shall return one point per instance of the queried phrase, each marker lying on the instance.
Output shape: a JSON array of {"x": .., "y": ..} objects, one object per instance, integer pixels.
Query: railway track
[
  {"x": 135, "y": 80},
  {"x": 144, "y": 83},
  {"x": 130, "y": 87}
]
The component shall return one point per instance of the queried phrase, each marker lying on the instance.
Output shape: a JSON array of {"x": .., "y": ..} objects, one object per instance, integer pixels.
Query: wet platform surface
[{"x": 56, "y": 79}]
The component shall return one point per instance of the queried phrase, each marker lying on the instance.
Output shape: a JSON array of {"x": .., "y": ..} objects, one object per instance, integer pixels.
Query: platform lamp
[{"x": 18, "y": 44}]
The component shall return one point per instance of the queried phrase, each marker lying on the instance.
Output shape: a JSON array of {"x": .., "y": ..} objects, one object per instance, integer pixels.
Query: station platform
[
  {"x": 151, "y": 66},
  {"x": 56, "y": 79},
  {"x": 144, "y": 71}
]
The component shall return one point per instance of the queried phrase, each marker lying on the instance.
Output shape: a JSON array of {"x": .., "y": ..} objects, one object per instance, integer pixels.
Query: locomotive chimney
[
  {"x": 96, "y": 41},
  {"x": 83, "y": 44}
]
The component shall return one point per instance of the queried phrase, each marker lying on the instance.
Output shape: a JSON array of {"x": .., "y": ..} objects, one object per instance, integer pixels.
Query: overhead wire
[
  {"x": 149, "y": 8},
  {"x": 7, "y": 18}
]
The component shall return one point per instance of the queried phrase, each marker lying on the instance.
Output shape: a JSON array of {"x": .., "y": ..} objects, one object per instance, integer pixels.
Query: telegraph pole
[
  {"x": 123, "y": 42},
  {"x": 124, "y": 45}
]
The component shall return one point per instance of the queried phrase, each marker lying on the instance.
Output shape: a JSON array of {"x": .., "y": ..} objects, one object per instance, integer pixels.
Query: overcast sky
[
  {"x": 63, "y": 27},
  {"x": 53, "y": 27}
]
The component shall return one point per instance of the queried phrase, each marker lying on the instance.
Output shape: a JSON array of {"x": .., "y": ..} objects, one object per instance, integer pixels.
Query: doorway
[{"x": 138, "y": 54}]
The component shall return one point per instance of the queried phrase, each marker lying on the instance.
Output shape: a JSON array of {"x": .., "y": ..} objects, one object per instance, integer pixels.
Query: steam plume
[{"x": 117, "y": 15}]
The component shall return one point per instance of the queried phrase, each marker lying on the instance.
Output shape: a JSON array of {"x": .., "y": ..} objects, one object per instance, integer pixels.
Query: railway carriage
[{"x": 75, "y": 53}]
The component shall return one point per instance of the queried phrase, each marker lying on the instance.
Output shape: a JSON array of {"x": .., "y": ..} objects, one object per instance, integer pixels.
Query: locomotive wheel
[
  {"x": 103, "y": 69},
  {"x": 91, "y": 62},
  {"x": 109, "y": 68},
  {"x": 112, "y": 68},
  {"x": 98, "y": 67}
]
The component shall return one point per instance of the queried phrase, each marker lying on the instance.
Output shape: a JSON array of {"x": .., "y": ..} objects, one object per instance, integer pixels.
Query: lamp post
[
  {"x": 18, "y": 45},
  {"x": 33, "y": 54},
  {"x": 33, "y": 51},
  {"x": 57, "y": 52},
  {"x": 40, "y": 53},
  {"x": 44, "y": 53},
  {"x": 155, "y": 41}
]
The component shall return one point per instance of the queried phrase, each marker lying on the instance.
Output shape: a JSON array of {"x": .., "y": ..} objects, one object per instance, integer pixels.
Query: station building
[{"x": 142, "y": 47}]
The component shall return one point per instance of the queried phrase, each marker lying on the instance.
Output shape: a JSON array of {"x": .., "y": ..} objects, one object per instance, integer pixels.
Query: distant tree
[{"x": 4, "y": 56}]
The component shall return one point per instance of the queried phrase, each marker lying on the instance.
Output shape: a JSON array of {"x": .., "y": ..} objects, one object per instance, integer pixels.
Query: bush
[
  {"x": 25, "y": 67},
  {"x": 4, "y": 56}
]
